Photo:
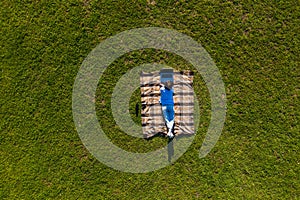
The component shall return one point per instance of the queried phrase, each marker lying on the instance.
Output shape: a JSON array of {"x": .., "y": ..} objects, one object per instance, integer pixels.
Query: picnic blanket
[{"x": 152, "y": 119}]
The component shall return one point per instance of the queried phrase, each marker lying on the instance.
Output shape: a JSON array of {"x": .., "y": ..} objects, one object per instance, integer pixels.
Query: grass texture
[{"x": 255, "y": 45}]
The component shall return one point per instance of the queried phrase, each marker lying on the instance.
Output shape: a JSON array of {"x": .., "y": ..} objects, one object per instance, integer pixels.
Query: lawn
[{"x": 255, "y": 45}]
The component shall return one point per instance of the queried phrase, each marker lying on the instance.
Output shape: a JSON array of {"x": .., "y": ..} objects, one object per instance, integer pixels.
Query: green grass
[{"x": 255, "y": 46}]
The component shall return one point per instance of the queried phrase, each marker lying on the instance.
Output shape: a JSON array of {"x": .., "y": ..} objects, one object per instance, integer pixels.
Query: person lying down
[{"x": 167, "y": 105}]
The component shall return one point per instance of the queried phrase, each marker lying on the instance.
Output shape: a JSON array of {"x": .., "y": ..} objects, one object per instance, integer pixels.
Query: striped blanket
[{"x": 152, "y": 118}]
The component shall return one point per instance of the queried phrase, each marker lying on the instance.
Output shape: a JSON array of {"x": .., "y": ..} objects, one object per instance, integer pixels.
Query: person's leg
[
  {"x": 170, "y": 115},
  {"x": 170, "y": 125},
  {"x": 170, "y": 112},
  {"x": 165, "y": 113}
]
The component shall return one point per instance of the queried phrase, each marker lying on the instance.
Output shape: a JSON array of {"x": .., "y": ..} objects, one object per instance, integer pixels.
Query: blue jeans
[{"x": 169, "y": 114}]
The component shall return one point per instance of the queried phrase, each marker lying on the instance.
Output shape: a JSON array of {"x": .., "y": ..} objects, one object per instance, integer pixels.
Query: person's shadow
[
  {"x": 170, "y": 149},
  {"x": 170, "y": 144}
]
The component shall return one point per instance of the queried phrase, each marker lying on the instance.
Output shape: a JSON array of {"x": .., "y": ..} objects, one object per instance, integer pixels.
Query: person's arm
[{"x": 162, "y": 87}]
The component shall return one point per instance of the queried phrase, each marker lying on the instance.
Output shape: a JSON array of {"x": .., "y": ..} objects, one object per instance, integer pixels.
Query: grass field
[{"x": 256, "y": 46}]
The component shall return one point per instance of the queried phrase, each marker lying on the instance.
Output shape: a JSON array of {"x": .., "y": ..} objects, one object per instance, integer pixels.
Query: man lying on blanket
[{"x": 167, "y": 104}]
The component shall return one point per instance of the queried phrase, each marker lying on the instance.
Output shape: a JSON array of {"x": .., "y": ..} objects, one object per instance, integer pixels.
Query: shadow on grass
[{"x": 169, "y": 141}]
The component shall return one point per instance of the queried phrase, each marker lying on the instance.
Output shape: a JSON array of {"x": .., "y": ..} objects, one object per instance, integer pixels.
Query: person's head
[{"x": 169, "y": 85}]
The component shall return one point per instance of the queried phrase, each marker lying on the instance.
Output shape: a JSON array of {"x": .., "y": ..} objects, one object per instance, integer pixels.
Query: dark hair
[{"x": 169, "y": 85}]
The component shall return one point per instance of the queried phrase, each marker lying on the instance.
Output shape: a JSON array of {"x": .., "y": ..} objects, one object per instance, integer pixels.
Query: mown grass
[{"x": 254, "y": 44}]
